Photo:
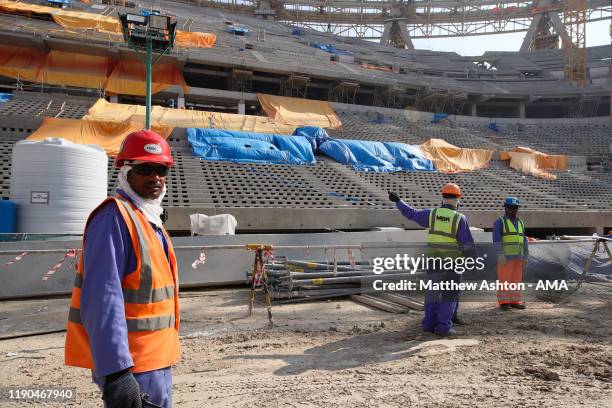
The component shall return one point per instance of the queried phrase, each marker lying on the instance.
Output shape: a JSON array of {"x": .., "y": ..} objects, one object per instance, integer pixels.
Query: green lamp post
[{"x": 148, "y": 34}]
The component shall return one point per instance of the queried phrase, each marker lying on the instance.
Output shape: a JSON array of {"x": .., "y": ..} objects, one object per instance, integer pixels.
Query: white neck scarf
[{"x": 152, "y": 209}]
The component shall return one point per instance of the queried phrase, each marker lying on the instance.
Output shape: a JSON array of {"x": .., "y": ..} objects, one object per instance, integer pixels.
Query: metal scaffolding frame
[
  {"x": 423, "y": 18},
  {"x": 574, "y": 53},
  {"x": 440, "y": 100}
]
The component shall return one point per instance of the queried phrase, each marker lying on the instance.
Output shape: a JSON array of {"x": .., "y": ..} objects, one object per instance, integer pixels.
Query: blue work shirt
[
  {"x": 421, "y": 217},
  {"x": 498, "y": 228},
  {"x": 109, "y": 257}
]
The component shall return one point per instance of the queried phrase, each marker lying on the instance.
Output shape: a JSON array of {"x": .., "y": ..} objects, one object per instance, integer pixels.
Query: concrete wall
[{"x": 287, "y": 219}]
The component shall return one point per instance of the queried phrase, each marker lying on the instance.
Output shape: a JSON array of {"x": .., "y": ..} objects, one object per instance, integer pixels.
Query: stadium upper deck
[{"x": 494, "y": 84}]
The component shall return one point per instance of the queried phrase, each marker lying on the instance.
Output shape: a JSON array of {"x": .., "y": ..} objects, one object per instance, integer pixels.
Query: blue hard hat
[{"x": 511, "y": 201}]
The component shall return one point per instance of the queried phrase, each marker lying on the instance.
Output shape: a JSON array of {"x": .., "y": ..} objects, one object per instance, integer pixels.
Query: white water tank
[{"x": 56, "y": 184}]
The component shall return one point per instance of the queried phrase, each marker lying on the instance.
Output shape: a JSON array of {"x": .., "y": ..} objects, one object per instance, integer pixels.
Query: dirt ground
[{"x": 340, "y": 353}]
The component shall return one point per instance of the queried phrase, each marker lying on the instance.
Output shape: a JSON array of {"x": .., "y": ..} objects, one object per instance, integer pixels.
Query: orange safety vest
[{"x": 150, "y": 294}]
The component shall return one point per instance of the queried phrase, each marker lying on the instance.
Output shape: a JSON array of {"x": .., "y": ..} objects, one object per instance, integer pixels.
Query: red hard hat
[
  {"x": 451, "y": 189},
  {"x": 146, "y": 146}
]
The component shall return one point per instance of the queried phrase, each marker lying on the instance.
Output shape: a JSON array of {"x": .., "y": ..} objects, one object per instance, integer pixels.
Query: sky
[{"x": 597, "y": 34}]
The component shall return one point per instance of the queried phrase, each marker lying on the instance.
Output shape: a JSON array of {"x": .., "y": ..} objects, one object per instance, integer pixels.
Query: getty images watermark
[{"x": 392, "y": 269}]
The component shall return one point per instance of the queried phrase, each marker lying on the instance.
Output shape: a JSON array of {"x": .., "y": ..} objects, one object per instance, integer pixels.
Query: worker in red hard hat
[
  {"x": 124, "y": 316},
  {"x": 449, "y": 236}
]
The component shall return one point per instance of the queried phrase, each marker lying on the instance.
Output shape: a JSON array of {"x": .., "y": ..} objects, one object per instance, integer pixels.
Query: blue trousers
[
  {"x": 157, "y": 383},
  {"x": 440, "y": 305}
]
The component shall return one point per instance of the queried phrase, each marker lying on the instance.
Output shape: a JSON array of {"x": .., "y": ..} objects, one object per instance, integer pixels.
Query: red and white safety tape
[
  {"x": 71, "y": 253},
  {"x": 17, "y": 258},
  {"x": 201, "y": 260}
]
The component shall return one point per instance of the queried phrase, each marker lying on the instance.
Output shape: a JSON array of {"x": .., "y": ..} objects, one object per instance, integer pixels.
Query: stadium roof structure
[{"x": 372, "y": 19}]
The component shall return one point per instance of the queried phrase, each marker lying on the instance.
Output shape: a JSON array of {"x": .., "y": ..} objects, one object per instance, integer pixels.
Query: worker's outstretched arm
[
  {"x": 421, "y": 217},
  {"x": 108, "y": 255}
]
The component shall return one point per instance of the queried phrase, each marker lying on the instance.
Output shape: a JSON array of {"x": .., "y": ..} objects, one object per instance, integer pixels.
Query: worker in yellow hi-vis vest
[
  {"x": 512, "y": 248},
  {"x": 449, "y": 236}
]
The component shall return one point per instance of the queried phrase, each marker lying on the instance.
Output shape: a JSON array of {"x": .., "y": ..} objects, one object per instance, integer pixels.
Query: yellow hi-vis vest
[
  {"x": 513, "y": 239},
  {"x": 442, "y": 238}
]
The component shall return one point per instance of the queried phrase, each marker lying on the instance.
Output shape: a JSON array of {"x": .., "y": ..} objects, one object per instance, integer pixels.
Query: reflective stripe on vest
[
  {"x": 443, "y": 226},
  {"x": 146, "y": 293},
  {"x": 133, "y": 325},
  {"x": 513, "y": 239}
]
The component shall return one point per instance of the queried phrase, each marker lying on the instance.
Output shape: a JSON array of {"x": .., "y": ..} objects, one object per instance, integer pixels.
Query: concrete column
[
  {"x": 114, "y": 98},
  {"x": 521, "y": 109},
  {"x": 180, "y": 102},
  {"x": 474, "y": 110},
  {"x": 241, "y": 108}
]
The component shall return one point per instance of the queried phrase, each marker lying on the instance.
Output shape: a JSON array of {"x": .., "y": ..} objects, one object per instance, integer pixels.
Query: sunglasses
[{"x": 147, "y": 169}]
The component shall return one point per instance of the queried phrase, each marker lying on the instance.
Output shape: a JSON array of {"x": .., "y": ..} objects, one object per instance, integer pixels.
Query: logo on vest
[
  {"x": 443, "y": 219},
  {"x": 153, "y": 148}
]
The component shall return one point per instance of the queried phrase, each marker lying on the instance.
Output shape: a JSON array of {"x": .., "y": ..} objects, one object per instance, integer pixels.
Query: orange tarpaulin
[
  {"x": 26, "y": 9},
  {"x": 82, "y": 70},
  {"x": 106, "y": 111},
  {"x": 90, "y": 21},
  {"x": 299, "y": 111},
  {"x": 20, "y": 62},
  {"x": 530, "y": 161},
  {"x": 128, "y": 78},
  {"x": 65, "y": 18},
  {"x": 452, "y": 159},
  {"x": 87, "y": 21},
  {"x": 376, "y": 68},
  {"x": 108, "y": 135},
  {"x": 195, "y": 39}
]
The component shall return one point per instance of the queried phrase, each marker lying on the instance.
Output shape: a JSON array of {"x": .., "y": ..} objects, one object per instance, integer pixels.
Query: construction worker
[
  {"x": 510, "y": 242},
  {"x": 124, "y": 314},
  {"x": 449, "y": 236}
]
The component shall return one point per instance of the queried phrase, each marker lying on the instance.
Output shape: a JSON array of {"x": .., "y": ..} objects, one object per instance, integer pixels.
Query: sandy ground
[{"x": 339, "y": 353}]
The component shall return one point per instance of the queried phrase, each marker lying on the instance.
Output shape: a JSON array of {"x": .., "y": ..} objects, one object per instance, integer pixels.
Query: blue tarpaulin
[
  {"x": 329, "y": 48},
  {"x": 315, "y": 135},
  {"x": 60, "y": 2},
  {"x": 376, "y": 156},
  {"x": 237, "y": 30},
  {"x": 297, "y": 31},
  {"x": 248, "y": 147},
  {"x": 493, "y": 126},
  {"x": 5, "y": 97},
  {"x": 437, "y": 117}
]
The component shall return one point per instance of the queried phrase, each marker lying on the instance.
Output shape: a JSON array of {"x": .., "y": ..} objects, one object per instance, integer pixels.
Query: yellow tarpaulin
[
  {"x": 21, "y": 62},
  {"x": 87, "y": 21},
  {"x": 195, "y": 39},
  {"x": 65, "y": 18},
  {"x": 299, "y": 112},
  {"x": 97, "y": 22},
  {"x": 82, "y": 70},
  {"x": 108, "y": 135},
  {"x": 106, "y": 111},
  {"x": 128, "y": 78},
  {"x": 452, "y": 159},
  {"x": 530, "y": 161}
]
